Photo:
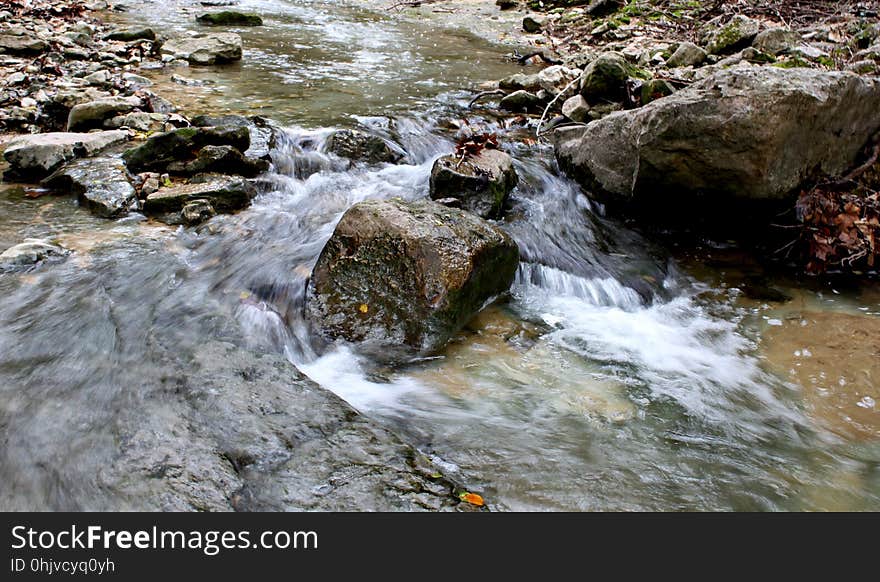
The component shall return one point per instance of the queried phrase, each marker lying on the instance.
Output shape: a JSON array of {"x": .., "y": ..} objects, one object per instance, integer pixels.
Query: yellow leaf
[{"x": 364, "y": 308}]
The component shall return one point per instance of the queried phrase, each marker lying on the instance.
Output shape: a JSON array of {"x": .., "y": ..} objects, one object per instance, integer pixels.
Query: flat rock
[
  {"x": 23, "y": 45},
  {"x": 29, "y": 253},
  {"x": 229, "y": 18},
  {"x": 224, "y": 159},
  {"x": 93, "y": 114},
  {"x": 35, "y": 156},
  {"x": 181, "y": 145},
  {"x": 205, "y": 49},
  {"x": 102, "y": 185},
  {"x": 224, "y": 195}
]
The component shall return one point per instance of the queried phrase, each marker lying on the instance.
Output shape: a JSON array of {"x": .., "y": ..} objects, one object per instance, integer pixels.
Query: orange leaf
[{"x": 472, "y": 498}]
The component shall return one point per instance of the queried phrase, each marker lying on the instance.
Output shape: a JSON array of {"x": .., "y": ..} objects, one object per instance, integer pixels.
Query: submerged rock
[
  {"x": 181, "y": 145},
  {"x": 35, "y": 156},
  {"x": 103, "y": 185},
  {"x": 205, "y": 49},
  {"x": 480, "y": 182},
  {"x": 29, "y": 253},
  {"x": 745, "y": 132},
  {"x": 229, "y": 18},
  {"x": 359, "y": 146},
  {"x": 402, "y": 277}
]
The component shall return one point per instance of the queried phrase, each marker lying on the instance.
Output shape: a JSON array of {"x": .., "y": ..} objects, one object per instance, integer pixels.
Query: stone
[
  {"x": 360, "y": 146},
  {"x": 197, "y": 212},
  {"x": 36, "y": 156},
  {"x": 162, "y": 149},
  {"x": 748, "y": 132},
  {"x": 138, "y": 121},
  {"x": 99, "y": 78},
  {"x": 687, "y": 55},
  {"x": 520, "y": 81},
  {"x": 151, "y": 185},
  {"x": 229, "y": 18},
  {"x": 157, "y": 104},
  {"x": 222, "y": 159},
  {"x": 263, "y": 132},
  {"x": 506, "y": 4},
  {"x": 205, "y": 49},
  {"x": 224, "y": 195},
  {"x": 576, "y": 109},
  {"x": 736, "y": 34},
  {"x": 532, "y": 25},
  {"x": 605, "y": 78},
  {"x": 481, "y": 182},
  {"x": 31, "y": 252},
  {"x": 131, "y": 33},
  {"x": 136, "y": 82},
  {"x": 774, "y": 41},
  {"x": 102, "y": 185},
  {"x": 600, "y": 8},
  {"x": 23, "y": 45},
  {"x": 400, "y": 278},
  {"x": 558, "y": 78},
  {"x": 655, "y": 89},
  {"x": 93, "y": 114},
  {"x": 521, "y": 102}
]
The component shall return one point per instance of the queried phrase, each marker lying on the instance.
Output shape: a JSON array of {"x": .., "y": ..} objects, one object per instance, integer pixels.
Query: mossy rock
[
  {"x": 605, "y": 78},
  {"x": 229, "y": 18},
  {"x": 181, "y": 145},
  {"x": 480, "y": 183}
]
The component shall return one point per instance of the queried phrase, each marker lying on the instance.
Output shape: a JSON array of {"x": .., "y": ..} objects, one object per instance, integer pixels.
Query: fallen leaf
[{"x": 471, "y": 498}]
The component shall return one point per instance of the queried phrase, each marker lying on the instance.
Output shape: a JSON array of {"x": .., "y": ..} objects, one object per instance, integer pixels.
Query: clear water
[{"x": 620, "y": 375}]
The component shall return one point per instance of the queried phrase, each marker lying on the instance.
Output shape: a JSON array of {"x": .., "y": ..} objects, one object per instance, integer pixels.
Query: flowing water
[{"x": 620, "y": 374}]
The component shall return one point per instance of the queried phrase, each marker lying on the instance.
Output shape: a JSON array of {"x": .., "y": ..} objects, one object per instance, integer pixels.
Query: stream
[{"x": 623, "y": 373}]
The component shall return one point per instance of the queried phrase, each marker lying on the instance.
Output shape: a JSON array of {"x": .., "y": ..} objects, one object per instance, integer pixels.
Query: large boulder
[
  {"x": 91, "y": 115},
  {"x": 745, "y": 132},
  {"x": 205, "y": 49},
  {"x": 480, "y": 183},
  {"x": 359, "y": 146},
  {"x": 181, "y": 145},
  {"x": 102, "y": 185},
  {"x": 402, "y": 277},
  {"x": 36, "y": 156}
]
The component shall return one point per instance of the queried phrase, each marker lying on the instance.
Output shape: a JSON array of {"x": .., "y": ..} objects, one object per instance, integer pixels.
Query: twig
[
  {"x": 485, "y": 94},
  {"x": 549, "y": 105}
]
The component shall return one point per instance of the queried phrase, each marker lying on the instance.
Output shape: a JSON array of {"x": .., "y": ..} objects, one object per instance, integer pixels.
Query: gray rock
[
  {"x": 263, "y": 132},
  {"x": 520, "y": 82},
  {"x": 197, "y": 212},
  {"x": 205, "y": 49},
  {"x": 687, "y": 55},
  {"x": 29, "y": 253},
  {"x": 100, "y": 78},
  {"x": 136, "y": 82},
  {"x": 131, "y": 33},
  {"x": 605, "y": 78},
  {"x": 182, "y": 145},
  {"x": 754, "y": 132},
  {"x": 521, "y": 102},
  {"x": 532, "y": 24},
  {"x": 222, "y": 159},
  {"x": 23, "y": 45},
  {"x": 576, "y": 109},
  {"x": 102, "y": 185},
  {"x": 35, "y": 156},
  {"x": 774, "y": 41},
  {"x": 736, "y": 34},
  {"x": 481, "y": 182},
  {"x": 558, "y": 78},
  {"x": 655, "y": 89},
  {"x": 359, "y": 146},
  {"x": 599, "y": 8},
  {"x": 138, "y": 121},
  {"x": 224, "y": 195},
  {"x": 93, "y": 114},
  {"x": 401, "y": 277},
  {"x": 229, "y": 18}
]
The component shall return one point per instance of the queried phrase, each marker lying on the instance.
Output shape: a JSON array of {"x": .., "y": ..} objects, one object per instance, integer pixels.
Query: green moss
[{"x": 229, "y": 18}]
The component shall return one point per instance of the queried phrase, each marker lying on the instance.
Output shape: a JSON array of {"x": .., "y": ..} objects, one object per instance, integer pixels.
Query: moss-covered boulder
[
  {"x": 223, "y": 159},
  {"x": 605, "y": 78},
  {"x": 478, "y": 183},
  {"x": 229, "y": 18},
  {"x": 736, "y": 34},
  {"x": 183, "y": 144},
  {"x": 400, "y": 278}
]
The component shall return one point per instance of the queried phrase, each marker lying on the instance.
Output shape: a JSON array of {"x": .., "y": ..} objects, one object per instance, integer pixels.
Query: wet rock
[
  {"x": 532, "y": 25},
  {"x": 138, "y": 121},
  {"x": 576, "y": 109},
  {"x": 229, "y": 18},
  {"x": 520, "y": 82},
  {"x": 197, "y": 212},
  {"x": 205, "y": 49},
  {"x": 223, "y": 159},
  {"x": 687, "y": 55},
  {"x": 263, "y": 131},
  {"x": 150, "y": 185},
  {"x": 405, "y": 276},
  {"x": 605, "y": 78},
  {"x": 359, "y": 146},
  {"x": 790, "y": 125},
  {"x": 158, "y": 104},
  {"x": 131, "y": 33},
  {"x": 774, "y": 41},
  {"x": 521, "y": 102},
  {"x": 23, "y": 44},
  {"x": 29, "y": 253},
  {"x": 481, "y": 182},
  {"x": 181, "y": 80},
  {"x": 100, "y": 78},
  {"x": 555, "y": 79},
  {"x": 136, "y": 82},
  {"x": 102, "y": 185},
  {"x": 736, "y": 34},
  {"x": 93, "y": 114},
  {"x": 181, "y": 144},
  {"x": 35, "y": 156},
  {"x": 224, "y": 195},
  {"x": 506, "y": 4}
]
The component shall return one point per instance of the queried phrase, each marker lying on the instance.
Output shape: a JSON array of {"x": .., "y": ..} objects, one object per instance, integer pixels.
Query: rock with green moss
[
  {"x": 733, "y": 36},
  {"x": 359, "y": 146},
  {"x": 605, "y": 78},
  {"x": 481, "y": 182},
  {"x": 229, "y": 18},
  {"x": 400, "y": 278},
  {"x": 182, "y": 144},
  {"x": 532, "y": 24},
  {"x": 655, "y": 89}
]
